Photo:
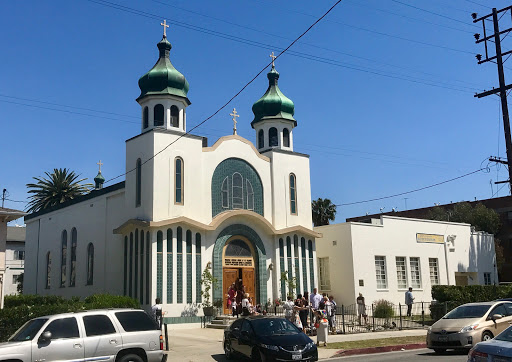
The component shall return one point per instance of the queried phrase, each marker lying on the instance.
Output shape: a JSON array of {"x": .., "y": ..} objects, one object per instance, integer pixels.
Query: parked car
[
  {"x": 498, "y": 349},
  {"x": 263, "y": 338},
  {"x": 121, "y": 335},
  {"x": 465, "y": 326}
]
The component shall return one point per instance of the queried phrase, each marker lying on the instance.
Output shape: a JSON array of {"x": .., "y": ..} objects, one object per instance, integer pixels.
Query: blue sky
[{"x": 383, "y": 89}]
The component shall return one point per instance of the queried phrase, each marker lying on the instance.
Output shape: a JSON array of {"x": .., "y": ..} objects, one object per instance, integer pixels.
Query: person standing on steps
[
  {"x": 156, "y": 310},
  {"x": 409, "y": 299}
]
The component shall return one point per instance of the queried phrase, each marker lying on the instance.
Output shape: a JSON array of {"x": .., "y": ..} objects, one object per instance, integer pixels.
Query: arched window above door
[{"x": 238, "y": 248}]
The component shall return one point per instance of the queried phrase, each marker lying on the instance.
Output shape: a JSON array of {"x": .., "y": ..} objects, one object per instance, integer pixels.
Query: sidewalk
[{"x": 203, "y": 344}]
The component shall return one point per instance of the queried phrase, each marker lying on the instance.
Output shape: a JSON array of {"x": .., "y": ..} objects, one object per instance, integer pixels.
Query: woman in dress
[{"x": 361, "y": 309}]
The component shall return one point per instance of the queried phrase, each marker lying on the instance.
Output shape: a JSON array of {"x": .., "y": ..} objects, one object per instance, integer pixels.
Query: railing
[{"x": 374, "y": 317}]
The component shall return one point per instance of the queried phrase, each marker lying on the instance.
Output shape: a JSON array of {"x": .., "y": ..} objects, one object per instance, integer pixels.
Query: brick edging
[{"x": 369, "y": 350}]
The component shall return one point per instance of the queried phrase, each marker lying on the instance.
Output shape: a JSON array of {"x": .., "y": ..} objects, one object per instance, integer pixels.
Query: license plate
[
  {"x": 296, "y": 357},
  {"x": 443, "y": 339}
]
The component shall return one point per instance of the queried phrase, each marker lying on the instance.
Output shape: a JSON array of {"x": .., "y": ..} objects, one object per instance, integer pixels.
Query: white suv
[{"x": 120, "y": 335}]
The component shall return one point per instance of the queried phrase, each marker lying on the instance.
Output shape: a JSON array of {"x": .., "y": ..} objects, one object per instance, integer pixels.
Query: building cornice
[{"x": 238, "y": 138}]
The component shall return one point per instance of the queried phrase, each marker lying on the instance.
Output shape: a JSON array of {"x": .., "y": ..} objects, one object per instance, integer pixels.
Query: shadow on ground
[{"x": 431, "y": 353}]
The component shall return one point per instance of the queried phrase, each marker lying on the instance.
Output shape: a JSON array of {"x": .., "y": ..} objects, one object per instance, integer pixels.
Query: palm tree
[
  {"x": 323, "y": 211},
  {"x": 59, "y": 186}
]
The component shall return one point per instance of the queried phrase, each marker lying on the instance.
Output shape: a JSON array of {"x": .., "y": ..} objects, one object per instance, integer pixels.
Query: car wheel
[
  {"x": 228, "y": 351},
  {"x": 439, "y": 350},
  {"x": 130, "y": 358},
  {"x": 487, "y": 336}
]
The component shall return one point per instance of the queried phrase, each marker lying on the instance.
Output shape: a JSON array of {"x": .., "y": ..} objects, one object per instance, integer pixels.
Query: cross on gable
[
  {"x": 164, "y": 24},
  {"x": 273, "y": 58},
  {"x": 234, "y": 115}
]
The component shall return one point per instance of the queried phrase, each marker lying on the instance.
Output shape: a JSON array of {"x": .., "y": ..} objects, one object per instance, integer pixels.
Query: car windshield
[
  {"x": 468, "y": 311},
  {"x": 273, "y": 327},
  {"x": 28, "y": 331},
  {"x": 506, "y": 335}
]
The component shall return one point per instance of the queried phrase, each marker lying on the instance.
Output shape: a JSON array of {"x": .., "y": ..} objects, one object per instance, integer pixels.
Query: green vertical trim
[
  {"x": 304, "y": 266},
  {"x": 198, "y": 268},
  {"x": 141, "y": 284},
  {"x": 148, "y": 266},
  {"x": 289, "y": 259},
  {"x": 260, "y": 260},
  {"x": 296, "y": 261},
  {"x": 130, "y": 275},
  {"x": 169, "y": 266},
  {"x": 125, "y": 265},
  {"x": 159, "y": 264},
  {"x": 189, "y": 265},
  {"x": 311, "y": 265},
  {"x": 136, "y": 274},
  {"x": 179, "y": 265},
  {"x": 281, "y": 257}
]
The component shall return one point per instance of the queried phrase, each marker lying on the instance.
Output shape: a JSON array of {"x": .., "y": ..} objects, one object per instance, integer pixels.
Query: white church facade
[{"x": 241, "y": 209}]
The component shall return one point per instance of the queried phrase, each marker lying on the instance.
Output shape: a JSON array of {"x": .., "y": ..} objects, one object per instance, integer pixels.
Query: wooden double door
[{"x": 231, "y": 275}]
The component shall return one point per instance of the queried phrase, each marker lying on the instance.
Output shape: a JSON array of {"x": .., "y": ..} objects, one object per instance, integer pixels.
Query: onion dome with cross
[
  {"x": 163, "y": 92},
  {"x": 273, "y": 116}
]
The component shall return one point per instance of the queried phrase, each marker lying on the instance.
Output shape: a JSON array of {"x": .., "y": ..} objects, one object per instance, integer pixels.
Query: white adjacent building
[
  {"x": 14, "y": 258},
  {"x": 382, "y": 259},
  {"x": 235, "y": 207}
]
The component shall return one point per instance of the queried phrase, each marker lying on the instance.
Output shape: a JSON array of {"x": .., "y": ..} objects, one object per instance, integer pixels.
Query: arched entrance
[
  {"x": 258, "y": 256},
  {"x": 238, "y": 267}
]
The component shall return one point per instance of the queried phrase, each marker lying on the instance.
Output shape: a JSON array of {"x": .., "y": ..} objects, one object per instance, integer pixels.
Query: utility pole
[
  {"x": 502, "y": 90},
  {"x": 3, "y": 197}
]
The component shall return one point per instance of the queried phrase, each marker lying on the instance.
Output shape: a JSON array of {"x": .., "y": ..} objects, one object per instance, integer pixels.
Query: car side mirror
[
  {"x": 45, "y": 337},
  {"x": 496, "y": 316}
]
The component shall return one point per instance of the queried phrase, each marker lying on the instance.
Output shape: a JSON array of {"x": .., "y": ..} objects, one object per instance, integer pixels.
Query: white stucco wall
[
  {"x": 396, "y": 237},
  {"x": 12, "y": 267}
]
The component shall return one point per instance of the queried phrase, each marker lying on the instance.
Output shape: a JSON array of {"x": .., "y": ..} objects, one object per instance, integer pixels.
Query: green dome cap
[
  {"x": 163, "y": 78},
  {"x": 274, "y": 104},
  {"x": 99, "y": 178}
]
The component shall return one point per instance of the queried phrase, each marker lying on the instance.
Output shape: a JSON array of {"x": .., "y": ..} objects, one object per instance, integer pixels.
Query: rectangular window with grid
[
  {"x": 380, "y": 272},
  {"x": 415, "y": 272},
  {"x": 323, "y": 274},
  {"x": 401, "y": 272},
  {"x": 487, "y": 278},
  {"x": 434, "y": 271},
  {"x": 19, "y": 255}
]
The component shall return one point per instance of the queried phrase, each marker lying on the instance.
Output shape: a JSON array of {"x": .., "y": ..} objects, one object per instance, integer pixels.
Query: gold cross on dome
[
  {"x": 164, "y": 24},
  {"x": 273, "y": 58},
  {"x": 100, "y": 164},
  {"x": 234, "y": 115}
]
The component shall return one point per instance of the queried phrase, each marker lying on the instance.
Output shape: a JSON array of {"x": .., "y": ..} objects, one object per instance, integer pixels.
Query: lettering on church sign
[
  {"x": 429, "y": 238},
  {"x": 239, "y": 262}
]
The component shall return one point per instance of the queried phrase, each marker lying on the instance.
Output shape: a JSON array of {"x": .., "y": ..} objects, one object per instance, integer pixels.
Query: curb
[{"x": 369, "y": 350}]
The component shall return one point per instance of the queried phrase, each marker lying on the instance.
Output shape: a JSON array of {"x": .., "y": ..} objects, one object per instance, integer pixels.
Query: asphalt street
[{"x": 417, "y": 355}]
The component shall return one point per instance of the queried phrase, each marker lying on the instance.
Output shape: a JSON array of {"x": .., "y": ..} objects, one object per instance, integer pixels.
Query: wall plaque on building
[
  {"x": 239, "y": 262},
  {"x": 429, "y": 238}
]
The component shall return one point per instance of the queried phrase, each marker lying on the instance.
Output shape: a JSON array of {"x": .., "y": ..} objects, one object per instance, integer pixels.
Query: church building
[{"x": 238, "y": 209}]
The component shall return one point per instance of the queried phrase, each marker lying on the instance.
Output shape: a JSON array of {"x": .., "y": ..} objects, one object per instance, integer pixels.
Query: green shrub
[
  {"x": 383, "y": 309},
  {"x": 20, "y": 309},
  {"x": 470, "y": 293}
]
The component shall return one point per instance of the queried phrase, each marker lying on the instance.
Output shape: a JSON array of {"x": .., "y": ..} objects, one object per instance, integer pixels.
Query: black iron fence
[{"x": 355, "y": 318}]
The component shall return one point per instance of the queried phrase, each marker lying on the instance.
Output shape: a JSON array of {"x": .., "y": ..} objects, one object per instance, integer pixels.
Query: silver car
[{"x": 120, "y": 335}]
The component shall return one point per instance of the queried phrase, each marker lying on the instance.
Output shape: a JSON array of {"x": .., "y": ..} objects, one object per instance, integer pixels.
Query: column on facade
[
  {"x": 299, "y": 259},
  {"x": 164, "y": 267},
  {"x": 153, "y": 273}
]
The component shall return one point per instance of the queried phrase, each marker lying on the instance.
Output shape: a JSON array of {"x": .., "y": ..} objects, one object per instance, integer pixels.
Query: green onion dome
[
  {"x": 274, "y": 104},
  {"x": 163, "y": 78}
]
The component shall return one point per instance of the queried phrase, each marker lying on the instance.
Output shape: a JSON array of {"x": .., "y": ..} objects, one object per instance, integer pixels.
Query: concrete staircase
[{"x": 221, "y": 322}]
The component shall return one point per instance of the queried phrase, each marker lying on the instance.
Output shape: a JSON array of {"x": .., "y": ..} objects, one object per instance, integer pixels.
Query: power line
[
  {"x": 415, "y": 190},
  {"x": 236, "y": 95}
]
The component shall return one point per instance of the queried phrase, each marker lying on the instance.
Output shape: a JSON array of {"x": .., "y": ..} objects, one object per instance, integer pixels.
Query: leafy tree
[
  {"x": 60, "y": 186},
  {"x": 323, "y": 211},
  {"x": 291, "y": 282}
]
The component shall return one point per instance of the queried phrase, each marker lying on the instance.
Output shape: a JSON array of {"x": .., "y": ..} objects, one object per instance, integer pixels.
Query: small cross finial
[
  {"x": 273, "y": 58},
  {"x": 234, "y": 115},
  {"x": 99, "y": 164},
  {"x": 164, "y": 24}
]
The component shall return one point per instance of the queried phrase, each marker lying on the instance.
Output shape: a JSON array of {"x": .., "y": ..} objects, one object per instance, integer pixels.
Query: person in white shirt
[
  {"x": 288, "y": 307},
  {"x": 156, "y": 310},
  {"x": 246, "y": 305},
  {"x": 315, "y": 299}
]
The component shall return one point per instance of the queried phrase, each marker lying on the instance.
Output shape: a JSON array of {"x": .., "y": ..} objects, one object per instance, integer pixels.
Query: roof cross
[
  {"x": 100, "y": 164},
  {"x": 234, "y": 115},
  {"x": 164, "y": 24},
  {"x": 273, "y": 58}
]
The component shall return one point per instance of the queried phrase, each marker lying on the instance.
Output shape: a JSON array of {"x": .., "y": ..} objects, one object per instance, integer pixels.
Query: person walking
[
  {"x": 288, "y": 307},
  {"x": 361, "y": 309},
  {"x": 156, "y": 310},
  {"x": 409, "y": 300},
  {"x": 332, "y": 320},
  {"x": 303, "y": 313},
  {"x": 246, "y": 305}
]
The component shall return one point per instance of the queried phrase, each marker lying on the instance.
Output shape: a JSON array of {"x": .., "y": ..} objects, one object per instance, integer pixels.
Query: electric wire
[
  {"x": 233, "y": 97},
  {"x": 415, "y": 190}
]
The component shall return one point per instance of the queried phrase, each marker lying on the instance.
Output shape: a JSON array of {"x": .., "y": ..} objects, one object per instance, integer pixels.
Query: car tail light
[
  {"x": 477, "y": 354},
  {"x": 161, "y": 343}
]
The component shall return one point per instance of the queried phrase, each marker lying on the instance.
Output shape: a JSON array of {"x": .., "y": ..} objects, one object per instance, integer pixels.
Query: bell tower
[
  {"x": 273, "y": 116},
  {"x": 163, "y": 93}
]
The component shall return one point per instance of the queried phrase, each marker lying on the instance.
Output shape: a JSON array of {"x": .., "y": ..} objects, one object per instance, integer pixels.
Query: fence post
[
  {"x": 422, "y": 315},
  {"x": 275, "y": 309},
  {"x": 343, "y": 318},
  {"x": 166, "y": 338},
  {"x": 373, "y": 319},
  {"x": 400, "y": 311}
]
